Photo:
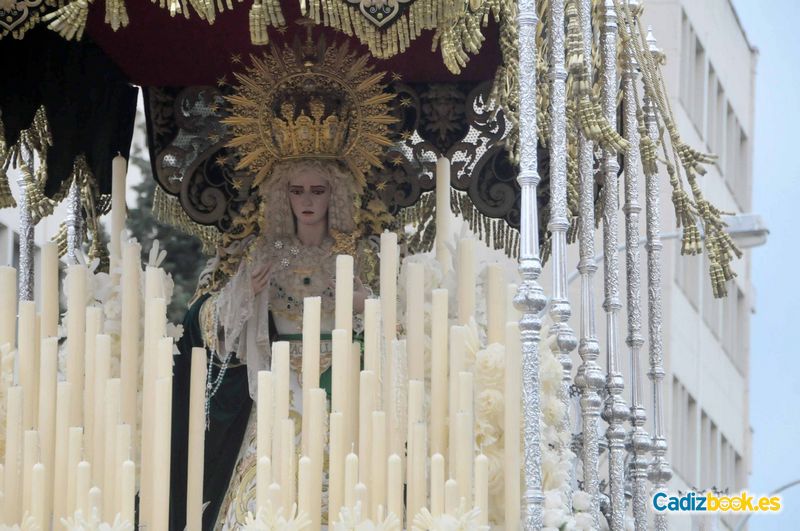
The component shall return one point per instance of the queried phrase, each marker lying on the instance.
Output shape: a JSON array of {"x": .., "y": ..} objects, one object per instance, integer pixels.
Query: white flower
[
  {"x": 462, "y": 520},
  {"x": 552, "y": 411},
  {"x": 584, "y": 521},
  {"x": 581, "y": 501},
  {"x": 554, "y": 517},
  {"x": 490, "y": 366},
  {"x": 490, "y": 406},
  {"x": 553, "y": 499}
]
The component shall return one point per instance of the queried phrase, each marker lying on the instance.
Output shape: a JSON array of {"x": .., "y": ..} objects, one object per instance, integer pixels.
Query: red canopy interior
[{"x": 158, "y": 50}]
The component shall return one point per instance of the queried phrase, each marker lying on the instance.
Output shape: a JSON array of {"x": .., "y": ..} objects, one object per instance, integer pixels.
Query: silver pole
[
  {"x": 640, "y": 441},
  {"x": 560, "y": 309},
  {"x": 660, "y": 472},
  {"x": 615, "y": 412},
  {"x": 26, "y": 232},
  {"x": 74, "y": 223},
  {"x": 589, "y": 377},
  {"x": 530, "y": 298}
]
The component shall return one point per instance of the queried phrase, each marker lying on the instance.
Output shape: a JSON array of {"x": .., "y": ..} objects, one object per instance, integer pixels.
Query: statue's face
[{"x": 310, "y": 195}]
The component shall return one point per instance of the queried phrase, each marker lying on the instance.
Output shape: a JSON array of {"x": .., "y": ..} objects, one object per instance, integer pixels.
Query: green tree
[{"x": 185, "y": 258}]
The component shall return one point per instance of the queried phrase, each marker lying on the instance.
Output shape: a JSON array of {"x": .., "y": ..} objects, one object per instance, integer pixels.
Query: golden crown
[
  {"x": 309, "y": 101},
  {"x": 319, "y": 135}
]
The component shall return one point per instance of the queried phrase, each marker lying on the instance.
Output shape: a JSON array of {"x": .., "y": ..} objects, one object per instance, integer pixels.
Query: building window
[
  {"x": 735, "y": 325},
  {"x": 693, "y": 75},
  {"x": 684, "y": 428},
  {"x": 711, "y": 110}
]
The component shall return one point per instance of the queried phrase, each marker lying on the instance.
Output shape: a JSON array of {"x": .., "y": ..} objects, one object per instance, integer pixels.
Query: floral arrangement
[
  {"x": 79, "y": 522},
  {"x": 268, "y": 519}
]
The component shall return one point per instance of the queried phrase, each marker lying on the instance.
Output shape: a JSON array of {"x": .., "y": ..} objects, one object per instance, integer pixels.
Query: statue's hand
[
  {"x": 360, "y": 294},
  {"x": 260, "y": 277}
]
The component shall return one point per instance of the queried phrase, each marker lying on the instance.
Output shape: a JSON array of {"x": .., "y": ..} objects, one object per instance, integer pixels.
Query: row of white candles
[{"x": 68, "y": 428}]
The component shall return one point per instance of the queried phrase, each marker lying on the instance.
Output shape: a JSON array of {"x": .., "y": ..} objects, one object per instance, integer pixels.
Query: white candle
[
  {"x": 415, "y": 414},
  {"x": 419, "y": 494},
  {"x": 264, "y": 406},
  {"x": 466, "y": 386},
  {"x": 11, "y": 484},
  {"x": 367, "y": 404},
  {"x": 372, "y": 336},
  {"x": 353, "y": 393},
  {"x": 128, "y": 488},
  {"x": 30, "y": 449},
  {"x": 496, "y": 304},
  {"x": 118, "y": 208},
  {"x": 8, "y": 306},
  {"x": 457, "y": 348},
  {"x": 96, "y": 501},
  {"x": 512, "y": 416},
  {"x": 482, "y": 488},
  {"x": 360, "y": 491},
  {"x": 161, "y": 451},
  {"x": 74, "y": 451},
  {"x": 275, "y": 496},
  {"x": 28, "y": 376},
  {"x": 280, "y": 375},
  {"x": 350, "y": 479},
  {"x": 110, "y": 464},
  {"x": 439, "y": 359},
  {"x": 437, "y": 485},
  {"x": 61, "y": 472},
  {"x": 377, "y": 473},
  {"x": 311, "y": 353},
  {"x": 49, "y": 291},
  {"x": 341, "y": 354},
  {"x": 48, "y": 375},
  {"x": 130, "y": 331},
  {"x": 38, "y": 496},
  {"x": 388, "y": 285},
  {"x": 317, "y": 414},
  {"x": 197, "y": 429},
  {"x": 123, "y": 453},
  {"x": 263, "y": 475},
  {"x": 466, "y": 280},
  {"x": 388, "y": 293},
  {"x": 336, "y": 466},
  {"x": 344, "y": 293},
  {"x": 464, "y": 452},
  {"x": 394, "y": 487},
  {"x": 415, "y": 320},
  {"x": 76, "y": 327},
  {"x": 443, "y": 211},
  {"x": 451, "y": 497},
  {"x": 84, "y": 483},
  {"x": 154, "y": 330},
  {"x": 287, "y": 464},
  {"x": 102, "y": 370},
  {"x": 304, "y": 478},
  {"x": 94, "y": 316}
]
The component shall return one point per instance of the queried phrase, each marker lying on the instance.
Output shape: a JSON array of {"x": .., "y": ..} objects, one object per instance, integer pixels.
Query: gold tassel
[
  {"x": 70, "y": 20},
  {"x": 258, "y": 24},
  {"x": 117, "y": 14},
  {"x": 6, "y": 198}
]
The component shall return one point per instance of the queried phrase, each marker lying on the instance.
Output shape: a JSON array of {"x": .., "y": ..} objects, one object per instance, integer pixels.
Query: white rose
[
  {"x": 490, "y": 366},
  {"x": 553, "y": 499},
  {"x": 581, "y": 501},
  {"x": 584, "y": 521},
  {"x": 554, "y": 517}
]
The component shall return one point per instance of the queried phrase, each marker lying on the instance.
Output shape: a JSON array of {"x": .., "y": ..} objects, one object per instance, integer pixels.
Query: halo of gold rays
[{"x": 276, "y": 97}]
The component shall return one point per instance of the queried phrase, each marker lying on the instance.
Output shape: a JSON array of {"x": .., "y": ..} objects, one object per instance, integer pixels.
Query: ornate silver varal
[
  {"x": 639, "y": 444},
  {"x": 589, "y": 377},
  {"x": 615, "y": 412},
  {"x": 660, "y": 471},
  {"x": 26, "y": 243},
  {"x": 530, "y": 298},
  {"x": 560, "y": 310},
  {"x": 74, "y": 222}
]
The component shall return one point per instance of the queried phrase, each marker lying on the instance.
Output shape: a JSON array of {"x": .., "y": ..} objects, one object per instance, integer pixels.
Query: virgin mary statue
[{"x": 308, "y": 122}]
